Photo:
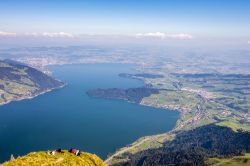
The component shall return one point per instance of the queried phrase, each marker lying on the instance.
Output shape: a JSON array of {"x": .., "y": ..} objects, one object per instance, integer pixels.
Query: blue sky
[{"x": 217, "y": 18}]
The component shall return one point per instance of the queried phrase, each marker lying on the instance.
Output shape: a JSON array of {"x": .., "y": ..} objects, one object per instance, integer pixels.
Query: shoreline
[
  {"x": 34, "y": 96},
  {"x": 144, "y": 139}
]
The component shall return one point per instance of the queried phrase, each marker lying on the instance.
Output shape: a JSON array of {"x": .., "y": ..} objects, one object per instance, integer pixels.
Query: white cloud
[
  {"x": 180, "y": 36},
  {"x": 152, "y": 34},
  {"x": 248, "y": 42},
  {"x": 57, "y": 34},
  {"x": 161, "y": 35},
  {"x": 34, "y": 34},
  {"x": 7, "y": 33}
]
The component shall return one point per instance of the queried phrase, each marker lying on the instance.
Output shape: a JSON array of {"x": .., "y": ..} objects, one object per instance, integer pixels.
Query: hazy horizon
[{"x": 36, "y": 23}]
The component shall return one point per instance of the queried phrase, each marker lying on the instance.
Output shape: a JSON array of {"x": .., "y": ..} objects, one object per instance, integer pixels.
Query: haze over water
[{"x": 67, "y": 117}]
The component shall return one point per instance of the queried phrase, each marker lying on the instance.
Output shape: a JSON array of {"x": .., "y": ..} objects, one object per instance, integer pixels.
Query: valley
[{"x": 208, "y": 90}]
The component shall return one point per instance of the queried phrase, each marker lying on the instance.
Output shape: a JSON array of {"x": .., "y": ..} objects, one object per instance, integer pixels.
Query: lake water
[{"x": 67, "y": 117}]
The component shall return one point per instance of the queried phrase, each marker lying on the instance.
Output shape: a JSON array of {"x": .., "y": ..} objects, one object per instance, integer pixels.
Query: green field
[{"x": 234, "y": 161}]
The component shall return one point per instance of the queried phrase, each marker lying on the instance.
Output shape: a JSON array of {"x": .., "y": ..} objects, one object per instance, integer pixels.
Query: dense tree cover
[
  {"x": 134, "y": 95},
  {"x": 143, "y": 75},
  {"x": 194, "y": 147}
]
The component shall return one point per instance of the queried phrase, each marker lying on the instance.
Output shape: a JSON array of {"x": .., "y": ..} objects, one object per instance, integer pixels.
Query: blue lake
[{"x": 67, "y": 117}]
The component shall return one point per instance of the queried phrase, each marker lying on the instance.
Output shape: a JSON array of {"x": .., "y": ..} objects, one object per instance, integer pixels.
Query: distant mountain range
[{"x": 19, "y": 81}]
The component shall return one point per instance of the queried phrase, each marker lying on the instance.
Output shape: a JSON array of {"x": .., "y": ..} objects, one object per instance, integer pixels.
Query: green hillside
[
  {"x": 18, "y": 81},
  {"x": 206, "y": 145}
]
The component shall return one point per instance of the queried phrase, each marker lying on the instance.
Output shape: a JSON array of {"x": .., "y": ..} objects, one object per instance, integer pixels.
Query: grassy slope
[
  {"x": 234, "y": 161},
  {"x": 144, "y": 143},
  {"x": 234, "y": 125},
  {"x": 66, "y": 158}
]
